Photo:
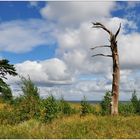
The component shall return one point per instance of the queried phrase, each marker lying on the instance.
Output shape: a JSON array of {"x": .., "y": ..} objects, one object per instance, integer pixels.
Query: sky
[{"x": 51, "y": 41}]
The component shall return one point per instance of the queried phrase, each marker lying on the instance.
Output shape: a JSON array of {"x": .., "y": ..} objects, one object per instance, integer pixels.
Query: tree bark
[{"x": 115, "y": 81}]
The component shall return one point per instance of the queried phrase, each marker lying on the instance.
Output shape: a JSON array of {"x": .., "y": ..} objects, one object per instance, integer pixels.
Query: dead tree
[{"x": 116, "y": 67}]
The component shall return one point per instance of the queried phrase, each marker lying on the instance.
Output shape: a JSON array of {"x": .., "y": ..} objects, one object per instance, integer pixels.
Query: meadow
[
  {"x": 68, "y": 127},
  {"x": 30, "y": 116}
]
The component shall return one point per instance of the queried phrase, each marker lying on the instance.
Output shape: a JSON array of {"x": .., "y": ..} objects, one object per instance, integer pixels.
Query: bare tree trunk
[
  {"x": 115, "y": 82},
  {"x": 116, "y": 66}
]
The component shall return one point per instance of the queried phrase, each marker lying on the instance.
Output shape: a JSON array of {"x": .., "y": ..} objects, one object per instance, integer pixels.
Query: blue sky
[
  {"x": 51, "y": 41},
  {"x": 23, "y": 11},
  {"x": 18, "y": 10}
]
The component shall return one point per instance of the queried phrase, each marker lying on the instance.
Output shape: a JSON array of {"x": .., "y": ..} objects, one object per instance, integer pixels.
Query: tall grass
[{"x": 75, "y": 126}]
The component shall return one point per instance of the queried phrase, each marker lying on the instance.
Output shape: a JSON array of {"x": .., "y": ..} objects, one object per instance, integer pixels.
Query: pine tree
[
  {"x": 5, "y": 69},
  {"x": 29, "y": 89},
  {"x": 135, "y": 102},
  {"x": 106, "y": 103}
]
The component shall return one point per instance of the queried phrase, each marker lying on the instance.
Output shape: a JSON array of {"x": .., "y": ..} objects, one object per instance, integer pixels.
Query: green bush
[
  {"x": 86, "y": 108},
  {"x": 8, "y": 115},
  {"x": 20, "y": 111},
  {"x": 50, "y": 109},
  {"x": 6, "y": 93},
  {"x": 135, "y": 102},
  {"x": 29, "y": 89},
  {"x": 16, "y": 101},
  {"x": 64, "y": 107},
  {"x": 105, "y": 104},
  {"x": 126, "y": 109},
  {"x": 27, "y": 106}
]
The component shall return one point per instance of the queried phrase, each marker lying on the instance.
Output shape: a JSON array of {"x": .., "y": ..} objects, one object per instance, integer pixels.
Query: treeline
[{"x": 30, "y": 106}]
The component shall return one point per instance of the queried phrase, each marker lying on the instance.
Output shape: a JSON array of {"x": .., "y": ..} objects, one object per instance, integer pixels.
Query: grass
[{"x": 74, "y": 126}]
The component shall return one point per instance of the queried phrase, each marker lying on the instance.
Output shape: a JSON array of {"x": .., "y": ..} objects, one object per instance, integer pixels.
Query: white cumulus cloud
[
  {"x": 52, "y": 71},
  {"x": 75, "y": 37},
  {"x": 22, "y": 36},
  {"x": 73, "y": 13}
]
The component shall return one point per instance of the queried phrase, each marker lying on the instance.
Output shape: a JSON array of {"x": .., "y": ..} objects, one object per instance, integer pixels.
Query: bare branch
[
  {"x": 118, "y": 31},
  {"x": 104, "y": 46},
  {"x": 99, "y": 25},
  {"x": 100, "y": 54}
]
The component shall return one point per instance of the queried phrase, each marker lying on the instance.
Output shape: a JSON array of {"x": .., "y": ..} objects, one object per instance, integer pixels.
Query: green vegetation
[
  {"x": 29, "y": 116},
  {"x": 6, "y": 93},
  {"x": 50, "y": 109},
  {"x": 75, "y": 126},
  {"x": 86, "y": 108},
  {"x": 28, "y": 105},
  {"x": 65, "y": 108},
  {"x": 6, "y": 68},
  {"x": 126, "y": 109},
  {"x": 29, "y": 89},
  {"x": 106, "y": 104},
  {"x": 135, "y": 102}
]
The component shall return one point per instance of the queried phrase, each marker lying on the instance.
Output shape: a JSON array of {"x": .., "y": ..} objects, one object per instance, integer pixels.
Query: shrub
[
  {"x": 126, "y": 109},
  {"x": 64, "y": 107},
  {"x": 16, "y": 101},
  {"x": 8, "y": 115},
  {"x": 49, "y": 109},
  {"x": 29, "y": 89},
  {"x": 135, "y": 102},
  {"x": 105, "y": 104},
  {"x": 86, "y": 108},
  {"x": 28, "y": 105},
  {"x": 28, "y": 108},
  {"x": 6, "y": 93}
]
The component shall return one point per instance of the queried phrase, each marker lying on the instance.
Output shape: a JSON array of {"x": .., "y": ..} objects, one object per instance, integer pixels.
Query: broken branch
[
  {"x": 104, "y": 46},
  {"x": 99, "y": 25},
  {"x": 118, "y": 31},
  {"x": 100, "y": 54}
]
